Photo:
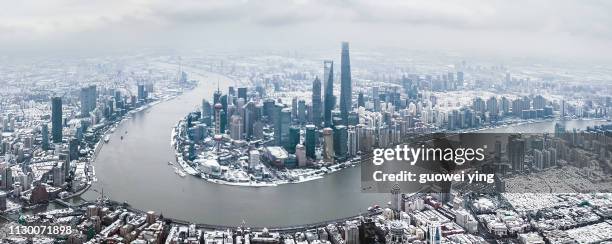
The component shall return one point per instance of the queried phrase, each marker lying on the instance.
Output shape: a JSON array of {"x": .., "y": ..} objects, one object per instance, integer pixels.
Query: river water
[{"x": 135, "y": 170}]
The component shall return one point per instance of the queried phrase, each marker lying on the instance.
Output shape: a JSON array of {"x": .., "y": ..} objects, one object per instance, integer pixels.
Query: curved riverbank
[
  {"x": 297, "y": 175},
  {"x": 135, "y": 170}
]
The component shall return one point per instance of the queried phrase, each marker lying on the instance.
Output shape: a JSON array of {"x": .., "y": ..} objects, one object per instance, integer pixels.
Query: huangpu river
[{"x": 135, "y": 170}]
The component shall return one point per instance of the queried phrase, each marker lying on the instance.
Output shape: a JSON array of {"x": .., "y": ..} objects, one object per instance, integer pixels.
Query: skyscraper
[
  {"x": 328, "y": 76},
  {"x": 300, "y": 154},
  {"x": 269, "y": 110},
  {"x": 281, "y": 126},
  {"x": 223, "y": 121},
  {"x": 345, "y": 85},
  {"x": 352, "y": 141},
  {"x": 142, "y": 95},
  {"x": 539, "y": 102},
  {"x": 340, "y": 141},
  {"x": 84, "y": 97},
  {"x": 56, "y": 119},
  {"x": 277, "y": 124},
  {"x": 328, "y": 145},
  {"x": 93, "y": 97},
  {"x": 88, "y": 99},
  {"x": 301, "y": 112},
  {"x": 73, "y": 149},
  {"x": 250, "y": 115},
  {"x": 562, "y": 109},
  {"x": 236, "y": 127},
  {"x": 242, "y": 93},
  {"x": 294, "y": 139},
  {"x": 285, "y": 123},
  {"x": 492, "y": 108},
  {"x": 376, "y": 99},
  {"x": 310, "y": 141},
  {"x": 207, "y": 112},
  {"x": 396, "y": 198},
  {"x": 516, "y": 152},
  {"x": 44, "y": 131},
  {"x": 316, "y": 102},
  {"x": 294, "y": 108},
  {"x": 361, "y": 100}
]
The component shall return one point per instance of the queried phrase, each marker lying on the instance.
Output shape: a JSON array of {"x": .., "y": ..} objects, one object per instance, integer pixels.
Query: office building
[
  {"x": 242, "y": 93},
  {"x": 340, "y": 141},
  {"x": 88, "y": 99},
  {"x": 310, "y": 141},
  {"x": 345, "y": 84},
  {"x": 281, "y": 128},
  {"x": 251, "y": 114},
  {"x": 516, "y": 152},
  {"x": 353, "y": 146},
  {"x": 294, "y": 108},
  {"x": 142, "y": 93},
  {"x": 360, "y": 100},
  {"x": 328, "y": 145},
  {"x": 300, "y": 154},
  {"x": 236, "y": 127},
  {"x": 206, "y": 112},
  {"x": 301, "y": 117},
  {"x": 56, "y": 119},
  {"x": 315, "y": 117},
  {"x": 294, "y": 139},
  {"x": 73, "y": 149},
  {"x": 329, "y": 100},
  {"x": 376, "y": 99},
  {"x": 44, "y": 131}
]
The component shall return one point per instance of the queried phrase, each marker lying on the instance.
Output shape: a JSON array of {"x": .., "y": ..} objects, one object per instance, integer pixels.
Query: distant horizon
[{"x": 577, "y": 31}]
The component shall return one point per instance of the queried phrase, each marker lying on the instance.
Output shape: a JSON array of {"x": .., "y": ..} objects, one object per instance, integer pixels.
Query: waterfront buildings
[
  {"x": 328, "y": 145},
  {"x": 311, "y": 141}
]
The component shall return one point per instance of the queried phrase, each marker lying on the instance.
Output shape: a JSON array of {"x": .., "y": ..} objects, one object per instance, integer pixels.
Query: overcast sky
[{"x": 550, "y": 28}]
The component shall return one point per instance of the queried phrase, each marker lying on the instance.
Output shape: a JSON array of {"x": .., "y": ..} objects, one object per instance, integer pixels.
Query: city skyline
[
  {"x": 258, "y": 135},
  {"x": 306, "y": 122}
]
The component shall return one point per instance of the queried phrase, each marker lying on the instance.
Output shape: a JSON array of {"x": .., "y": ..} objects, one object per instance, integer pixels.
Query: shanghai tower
[
  {"x": 345, "y": 85},
  {"x": 328, "y": 97}
]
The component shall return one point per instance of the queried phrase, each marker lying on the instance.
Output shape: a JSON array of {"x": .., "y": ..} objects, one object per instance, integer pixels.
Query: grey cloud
[
  {"x": 566, "y": 25},
  {"x": 270, "y": 13},
  {"x": 583, "y": 18}
]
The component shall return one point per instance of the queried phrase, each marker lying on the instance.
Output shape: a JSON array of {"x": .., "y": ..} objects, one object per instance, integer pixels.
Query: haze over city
[
  {"x": 571, "y": 30},
  {"x": 305, "y": 122}
]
